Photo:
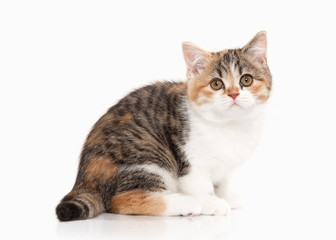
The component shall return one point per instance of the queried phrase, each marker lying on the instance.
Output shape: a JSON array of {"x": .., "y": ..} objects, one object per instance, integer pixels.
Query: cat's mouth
[{"x": 234, "y": 105}]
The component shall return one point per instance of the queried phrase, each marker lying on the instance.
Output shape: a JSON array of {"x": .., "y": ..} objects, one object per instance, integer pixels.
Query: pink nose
[{"x": 233, "y": 95}]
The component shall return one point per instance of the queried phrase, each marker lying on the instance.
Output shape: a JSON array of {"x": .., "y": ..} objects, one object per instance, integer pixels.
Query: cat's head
[{"x": 228, "y": 84}]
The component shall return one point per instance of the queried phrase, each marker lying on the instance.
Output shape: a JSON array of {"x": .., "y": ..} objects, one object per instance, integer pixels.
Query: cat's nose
[{"x": 233, "y": 95}]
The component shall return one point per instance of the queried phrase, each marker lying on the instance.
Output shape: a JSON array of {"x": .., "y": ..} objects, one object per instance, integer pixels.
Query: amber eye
[
  {"x": 246, "y": 80},
  {"x": 216, "y": 84}
]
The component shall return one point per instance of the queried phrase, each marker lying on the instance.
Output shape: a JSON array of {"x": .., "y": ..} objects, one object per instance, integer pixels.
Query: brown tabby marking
[
  {"x": 178, "y": 88},
  {"x": 138, "y": 203},
  {"x": 88, "y": 201},
  {"x": 92, "y": 200}
]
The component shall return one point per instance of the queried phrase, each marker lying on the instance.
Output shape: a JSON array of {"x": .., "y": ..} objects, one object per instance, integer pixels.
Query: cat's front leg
[
  {"x": 199, "y": 185},
  {"x": 234, "y": 200}
]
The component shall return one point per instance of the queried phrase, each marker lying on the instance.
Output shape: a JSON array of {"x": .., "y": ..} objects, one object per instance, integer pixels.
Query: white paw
[
  {"x": 192, "y": 207},
  {"x": 235, "y": 201},
  {"x": 213, "y": 205},
  {"x": 182, "y": 205}
]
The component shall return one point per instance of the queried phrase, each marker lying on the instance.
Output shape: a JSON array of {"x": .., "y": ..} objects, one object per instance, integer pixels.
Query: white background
[{"x": 64, "y": 63}]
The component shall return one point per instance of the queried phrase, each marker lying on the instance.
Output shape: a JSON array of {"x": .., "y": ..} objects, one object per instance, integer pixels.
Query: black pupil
[
  {"x": 217, "y": 83},
  {"x": 246, "y": 79}
]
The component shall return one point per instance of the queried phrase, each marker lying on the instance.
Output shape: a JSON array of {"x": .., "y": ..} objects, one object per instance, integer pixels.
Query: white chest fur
[{"x": 218, "y": 148}]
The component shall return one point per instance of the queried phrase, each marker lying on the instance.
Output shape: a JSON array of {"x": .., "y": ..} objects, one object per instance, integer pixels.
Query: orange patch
[
  {"x": 198, "y": 89},
  {"x": 263, "y": 97},
  {"x": 256, "y": 87},
  {"x": 100, "y": 168},
  {"x": 138, "y": 203},
  {"x": 96, "y": 134},
  {"x": 260, "y": 90},
  {"x": 204, "y": 94},
  {"x": 231, "y": 89},
  {"x": 126, "y": 118}
]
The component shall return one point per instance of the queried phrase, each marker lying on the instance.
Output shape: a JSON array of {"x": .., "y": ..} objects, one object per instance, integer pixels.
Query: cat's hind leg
[
  {"x": 147, "y": 189},
  {"x": 154, "y": 204}
]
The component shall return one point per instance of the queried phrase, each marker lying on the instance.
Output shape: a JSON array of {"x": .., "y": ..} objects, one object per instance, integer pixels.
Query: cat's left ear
[
  {"x": 257, "y": 47},
  {"x": 195, "y": 58}
]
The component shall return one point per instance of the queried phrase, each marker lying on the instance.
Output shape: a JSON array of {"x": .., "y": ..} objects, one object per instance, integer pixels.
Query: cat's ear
[
  {"x": 257, "y": 47},
  {"x": 195, "y": 58}
]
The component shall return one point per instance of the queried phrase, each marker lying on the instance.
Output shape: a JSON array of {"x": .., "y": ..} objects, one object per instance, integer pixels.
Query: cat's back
[
  {"x": 151, "y": 100},
  {"x": 148, "y": 123},
  {"x": 157, "y": 109}
]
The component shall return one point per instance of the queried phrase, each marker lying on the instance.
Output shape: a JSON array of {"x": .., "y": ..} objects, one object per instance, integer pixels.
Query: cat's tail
[{"x": 79, "y": 205}]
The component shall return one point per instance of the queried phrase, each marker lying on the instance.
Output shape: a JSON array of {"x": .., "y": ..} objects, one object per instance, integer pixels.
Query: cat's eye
[
  {"x": 216, "y": 84},
  {"x": 246, "y": 80}
]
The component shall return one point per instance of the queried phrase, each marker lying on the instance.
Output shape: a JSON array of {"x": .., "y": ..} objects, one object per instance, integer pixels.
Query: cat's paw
[
  {"x": 213, "y": 205},
  {"x": 192, "y": 207},
  {"x": 235, "y": 201},
  {"x": 182, "y": 205}
]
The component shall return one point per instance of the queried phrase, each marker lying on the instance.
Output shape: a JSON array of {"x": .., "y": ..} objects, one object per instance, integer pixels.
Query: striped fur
[{"x": 138, "y": 157}]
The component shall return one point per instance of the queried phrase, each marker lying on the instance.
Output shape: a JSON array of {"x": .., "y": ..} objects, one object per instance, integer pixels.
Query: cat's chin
[
  {"x": 235, "y": 106},
  {"x": 235, "y": 112}
]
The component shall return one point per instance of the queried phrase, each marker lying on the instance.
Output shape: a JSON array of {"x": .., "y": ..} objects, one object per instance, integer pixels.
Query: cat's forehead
[
  {"x": 229, "y": 60},
  {"x": 230, "y": 64},
  {"x": 234, "y": 61}
]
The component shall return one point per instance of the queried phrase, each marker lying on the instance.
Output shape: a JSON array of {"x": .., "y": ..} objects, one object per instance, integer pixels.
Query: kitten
[{"x": 170, "y": 148}]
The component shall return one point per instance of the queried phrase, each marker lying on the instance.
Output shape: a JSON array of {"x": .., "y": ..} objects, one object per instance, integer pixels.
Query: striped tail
[{"x": 79, "y": 205}]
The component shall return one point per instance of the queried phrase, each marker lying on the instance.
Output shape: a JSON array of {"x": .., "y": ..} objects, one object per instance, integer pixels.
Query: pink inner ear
[
  {"x": 195, "y": 58},
  {"x": 197, "y": 65},
  {"x": 257, "y": 47},
  {"x": 260, "y": 56},
  {"x": 190, "y": 59},
  {"x": 259, "y": 51}
]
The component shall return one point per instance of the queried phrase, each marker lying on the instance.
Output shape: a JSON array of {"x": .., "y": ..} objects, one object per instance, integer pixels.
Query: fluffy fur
[{"x": 170, "y": 148}]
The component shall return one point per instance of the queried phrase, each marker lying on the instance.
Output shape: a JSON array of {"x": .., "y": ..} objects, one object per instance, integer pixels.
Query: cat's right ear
[
  {"x": 195, "y": 58},
  {"x": 257, "y": 47}
]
